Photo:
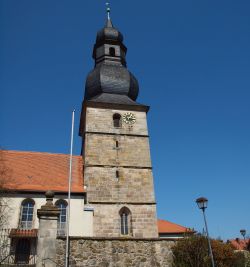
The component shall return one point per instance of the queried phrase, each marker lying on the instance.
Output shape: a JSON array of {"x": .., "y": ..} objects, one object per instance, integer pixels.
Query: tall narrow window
[
  {"x": 27, "y": 210},
  {"x": 116, "y": 144},
  {"x": 125, "y": 217},
  {"x": 112, "y": 51},
  {"x": 117, "y": 174},
  {"x": 117, "y": 120},
  {"x": 124, "y": 223},
  {"x": 61, "y": 224}
]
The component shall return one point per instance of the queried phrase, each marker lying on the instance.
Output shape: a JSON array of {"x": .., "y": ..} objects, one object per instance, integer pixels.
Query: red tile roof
[
  {"x": 240, "y": 244},
  {"x": 23, "y": 233},
  {"x": 166, "y": 227},
  {"x": 38, "y": 171}
]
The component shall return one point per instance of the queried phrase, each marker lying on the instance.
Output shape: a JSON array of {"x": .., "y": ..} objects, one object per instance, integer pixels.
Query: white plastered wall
[{"x": 81, "y": 222}]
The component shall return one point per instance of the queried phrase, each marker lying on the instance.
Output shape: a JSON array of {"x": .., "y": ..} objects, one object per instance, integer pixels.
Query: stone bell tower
[{"x": 117, "y": 165}]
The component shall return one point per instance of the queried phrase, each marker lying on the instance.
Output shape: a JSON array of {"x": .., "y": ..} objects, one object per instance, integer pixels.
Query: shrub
[{"x": 193, "y": 252}]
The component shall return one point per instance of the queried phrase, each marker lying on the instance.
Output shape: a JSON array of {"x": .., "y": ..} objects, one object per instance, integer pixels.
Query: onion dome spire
[{"x": 110, "y": 81}]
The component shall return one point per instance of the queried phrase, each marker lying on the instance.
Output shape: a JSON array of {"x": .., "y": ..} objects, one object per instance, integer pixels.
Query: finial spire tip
[{"x": 108, "y": 9}]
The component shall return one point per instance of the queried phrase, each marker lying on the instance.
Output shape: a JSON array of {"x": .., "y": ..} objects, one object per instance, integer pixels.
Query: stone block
[{"x": 104, "y": 252}]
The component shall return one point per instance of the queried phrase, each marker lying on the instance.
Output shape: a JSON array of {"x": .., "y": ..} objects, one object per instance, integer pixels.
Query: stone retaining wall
[{"x": 116, "y": 252}]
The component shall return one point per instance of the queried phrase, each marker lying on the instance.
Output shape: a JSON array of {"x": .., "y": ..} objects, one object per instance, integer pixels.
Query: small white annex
[{"x": 28, "y": 176}]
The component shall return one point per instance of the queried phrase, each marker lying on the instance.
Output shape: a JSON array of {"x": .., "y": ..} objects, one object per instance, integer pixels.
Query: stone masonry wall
[
  {"x": 132, "y": 185},
  {"x": 116, "y": 252},
  {"x": 118, "y": 173},
  {"x": 131, "y": 151},
  {"x": 101, "y": 120},
  {"x": 142, "y": 222}
]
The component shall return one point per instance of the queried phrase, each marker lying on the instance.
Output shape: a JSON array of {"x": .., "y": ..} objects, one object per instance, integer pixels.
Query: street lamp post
[
  {"x": 202, "y": 204},
  {"x": 243, "y": 233}
]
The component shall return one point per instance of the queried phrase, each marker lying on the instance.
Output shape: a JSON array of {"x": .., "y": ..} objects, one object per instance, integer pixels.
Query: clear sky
[{"x": 192, "y": 61}]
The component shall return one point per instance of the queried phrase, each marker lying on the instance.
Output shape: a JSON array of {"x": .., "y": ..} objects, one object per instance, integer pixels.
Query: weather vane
[{"x": 108, "y": 9}]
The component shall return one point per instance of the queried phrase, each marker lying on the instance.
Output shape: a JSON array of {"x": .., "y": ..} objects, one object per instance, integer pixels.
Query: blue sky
[{"x": 192, "y": 60}]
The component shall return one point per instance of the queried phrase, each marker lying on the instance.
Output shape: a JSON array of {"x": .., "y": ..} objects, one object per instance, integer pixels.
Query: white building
[{"x": 28, "y": 176}]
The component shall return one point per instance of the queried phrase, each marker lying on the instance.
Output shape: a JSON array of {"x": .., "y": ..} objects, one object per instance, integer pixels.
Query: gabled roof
[
  {"x": 38, "y": 171},
  {"x": 166, "y": 227}
]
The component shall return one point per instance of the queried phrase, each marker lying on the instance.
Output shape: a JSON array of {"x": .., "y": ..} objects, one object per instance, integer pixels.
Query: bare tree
[
  {"x": 5, "y": 176},
  {"x": 5, "y": 209}
]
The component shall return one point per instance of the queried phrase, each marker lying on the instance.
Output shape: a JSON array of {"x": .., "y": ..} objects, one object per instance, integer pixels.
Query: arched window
[
  {"x": 125, "y": 218},
  {"x": 61, "y": 225},
  {"x": 112, "y": 51},
  {"x": 117, "y": 120},
  {"x": 27, "y": 210}
]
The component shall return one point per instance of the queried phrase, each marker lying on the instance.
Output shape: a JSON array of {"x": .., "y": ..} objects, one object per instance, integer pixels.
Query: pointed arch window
[
  {"x": 117, "y": 120},
  {"x": 125, "y": 219},
  {"x": 62, "y": 220},
  {"x": 27, "y": 210}
]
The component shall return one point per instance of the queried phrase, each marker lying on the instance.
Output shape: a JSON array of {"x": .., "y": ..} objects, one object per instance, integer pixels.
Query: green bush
[
  {"x": 193, "y": 252},
  {"x": 247, "y": 258}
]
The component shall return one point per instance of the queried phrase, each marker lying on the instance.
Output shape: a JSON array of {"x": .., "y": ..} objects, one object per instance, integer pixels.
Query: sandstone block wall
[
  {"x": 131, "y": 151},
  {"x": 117, "y": 252},
  {"x": 118, "y": 173},
  {"x": 142, "y": 221},
  {"x": 100, "y": 120},
  {"x": 132, "y": 185}
]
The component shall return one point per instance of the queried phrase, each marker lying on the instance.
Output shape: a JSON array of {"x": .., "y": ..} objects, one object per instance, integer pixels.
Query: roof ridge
[{"x": 37, "y": 152}]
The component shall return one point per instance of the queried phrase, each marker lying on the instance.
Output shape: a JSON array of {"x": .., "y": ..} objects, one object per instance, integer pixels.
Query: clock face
[{"x": 129, "y": 118}]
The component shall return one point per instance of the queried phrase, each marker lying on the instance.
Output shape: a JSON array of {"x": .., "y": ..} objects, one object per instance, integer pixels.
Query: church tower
[{"x": 115, "y": 149}]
